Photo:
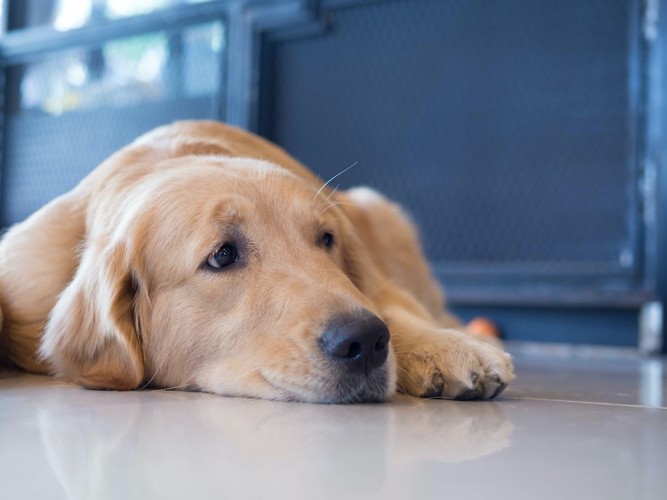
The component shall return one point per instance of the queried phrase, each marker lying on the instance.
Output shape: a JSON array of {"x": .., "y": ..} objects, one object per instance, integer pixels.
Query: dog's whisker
[
  {"x": 332, "y": 193},
  {"x": 337, "y": 203},
  {"x": 154, "y": 374},
  {"x": 327, "y": 207},
  {"x": 335, "y": 176},
  {"x": 173, "y": 394},
  {"x": 245, "y": 374},
  {"x": 171, "y": 388}
]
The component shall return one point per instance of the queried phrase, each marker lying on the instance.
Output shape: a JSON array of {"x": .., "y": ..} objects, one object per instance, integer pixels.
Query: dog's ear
[
  {"x": 358, "y": 265},
  {"x": 92, "y": 334},
  {"x": 355, "y": 263}
]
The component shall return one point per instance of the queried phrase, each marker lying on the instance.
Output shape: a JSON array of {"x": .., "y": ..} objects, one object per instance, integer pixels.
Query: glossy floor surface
[{"x": 571, "y": 427}]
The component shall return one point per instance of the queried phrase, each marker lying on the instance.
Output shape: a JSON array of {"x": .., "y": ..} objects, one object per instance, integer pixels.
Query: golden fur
[{"x": 106, "y": 286}]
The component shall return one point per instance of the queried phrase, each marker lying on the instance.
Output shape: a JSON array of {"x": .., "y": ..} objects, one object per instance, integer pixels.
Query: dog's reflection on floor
[{"x": 168, "y": 444}]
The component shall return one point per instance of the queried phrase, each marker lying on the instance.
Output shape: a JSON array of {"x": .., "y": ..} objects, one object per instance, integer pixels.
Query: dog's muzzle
[{"x": 357, "y": 347}]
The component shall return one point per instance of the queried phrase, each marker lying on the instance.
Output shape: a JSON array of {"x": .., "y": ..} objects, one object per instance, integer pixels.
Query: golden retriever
[{"x": 205, "y": 258}]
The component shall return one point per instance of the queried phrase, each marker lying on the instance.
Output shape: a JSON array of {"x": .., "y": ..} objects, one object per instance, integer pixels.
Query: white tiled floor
[{"x": 570, "y": 427}]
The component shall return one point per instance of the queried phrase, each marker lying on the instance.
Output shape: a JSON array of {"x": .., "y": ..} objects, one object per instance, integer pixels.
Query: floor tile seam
[{"x": 598, "y": 403}]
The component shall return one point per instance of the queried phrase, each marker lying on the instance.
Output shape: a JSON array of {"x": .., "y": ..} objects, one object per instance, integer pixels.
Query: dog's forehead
[
  {"x": 206, "y": 176},
  {"x": 196, "y": 197}
]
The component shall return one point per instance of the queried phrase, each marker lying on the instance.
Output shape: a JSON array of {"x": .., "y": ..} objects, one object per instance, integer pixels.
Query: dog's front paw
[{"x": 452, "y": 365}]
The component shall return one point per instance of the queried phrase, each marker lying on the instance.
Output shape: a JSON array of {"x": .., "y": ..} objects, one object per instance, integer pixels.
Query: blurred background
[{"x": 525, "y": 137}]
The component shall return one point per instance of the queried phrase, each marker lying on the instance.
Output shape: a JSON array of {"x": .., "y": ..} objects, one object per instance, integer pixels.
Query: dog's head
[{"x": 226, "y": 275}]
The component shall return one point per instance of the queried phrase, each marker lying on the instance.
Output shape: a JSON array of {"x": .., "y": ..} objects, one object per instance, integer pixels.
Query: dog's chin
[
  {"x": 360, "y": 390},
  {"x": 376, "y": 387},
  {"x": 329, "y": 386}
]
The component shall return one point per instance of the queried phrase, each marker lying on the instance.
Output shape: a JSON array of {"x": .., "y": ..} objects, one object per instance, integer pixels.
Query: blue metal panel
[
  {"x": 508, "y": 129},
  {"x": 616, "y": 327}
]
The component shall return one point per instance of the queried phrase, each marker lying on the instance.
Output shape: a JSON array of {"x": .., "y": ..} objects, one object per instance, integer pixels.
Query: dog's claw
[{"x": 498, "y": 391}]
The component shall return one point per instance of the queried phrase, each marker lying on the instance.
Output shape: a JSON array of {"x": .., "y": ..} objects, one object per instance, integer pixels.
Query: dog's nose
[{"x": 358, "y": 343}]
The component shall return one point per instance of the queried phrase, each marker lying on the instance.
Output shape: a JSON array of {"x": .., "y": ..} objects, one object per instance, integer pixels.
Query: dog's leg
[
  {"x": 439, "y": 362},
  {"x": 435, "y": 356},
  {"x": 451, "y": 364},
  {"x": 393, "y": 241}
]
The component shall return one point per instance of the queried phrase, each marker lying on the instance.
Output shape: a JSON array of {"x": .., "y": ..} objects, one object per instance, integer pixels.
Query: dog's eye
[
  {"x": 327, "y": 240},
  {"x": 223, "y": 256}
]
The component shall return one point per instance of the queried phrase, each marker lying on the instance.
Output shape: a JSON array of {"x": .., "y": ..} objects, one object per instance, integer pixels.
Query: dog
[{"x": 203, "y": 257}]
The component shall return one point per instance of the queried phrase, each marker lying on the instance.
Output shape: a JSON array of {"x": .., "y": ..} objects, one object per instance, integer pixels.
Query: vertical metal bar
[
  {"x": 635, "y": 136},
  {"x": 658, "y": 109},
  {"x": 651, "y": 327},
  {"x": 4, "y": 4},
  {"x": 650, "y": 138},
  {"x": 175, "y": 71},
  {"x": 240, "y": 67},
  {"x": 220, "y": 98},
  {"x": 247, "y": 24},
  {"x": 3, "y": 137},
  {"x": 4, "y": 28}
]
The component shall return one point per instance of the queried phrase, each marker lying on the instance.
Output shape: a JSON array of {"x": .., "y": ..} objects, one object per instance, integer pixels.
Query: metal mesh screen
[
  {"x": 70, "y": 110},
  {"x": 504, "y": 127}
]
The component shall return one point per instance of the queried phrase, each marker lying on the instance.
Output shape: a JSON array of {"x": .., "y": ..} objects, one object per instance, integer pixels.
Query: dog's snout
[{"x": 359, "y": 344}]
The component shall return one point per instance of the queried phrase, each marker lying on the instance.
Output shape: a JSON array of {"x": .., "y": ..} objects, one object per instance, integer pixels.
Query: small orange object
[{"x": 484, "y": 326}]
